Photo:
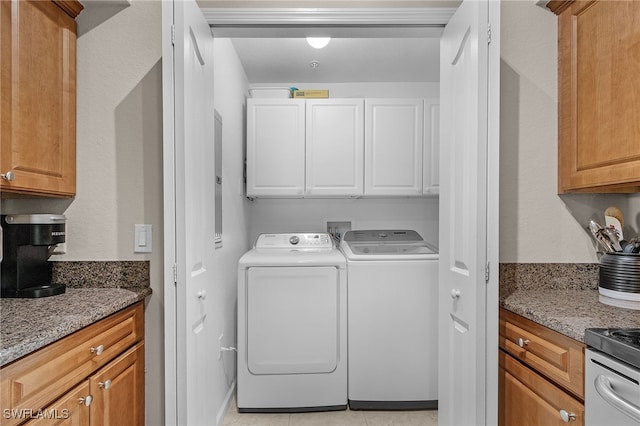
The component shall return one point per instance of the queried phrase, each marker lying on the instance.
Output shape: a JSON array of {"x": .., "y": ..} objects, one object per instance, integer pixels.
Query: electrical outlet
[{"x": 220, "y": 346}]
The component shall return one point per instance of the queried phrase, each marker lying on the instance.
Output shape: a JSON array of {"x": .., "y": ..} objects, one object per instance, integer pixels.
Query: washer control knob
[{"x": 294, "y": 240}]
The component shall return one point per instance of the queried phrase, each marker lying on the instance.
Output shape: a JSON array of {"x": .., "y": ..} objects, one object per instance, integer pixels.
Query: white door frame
[
  {"x": 169, "y": 211},
  {"x": 293, "y": 22}
]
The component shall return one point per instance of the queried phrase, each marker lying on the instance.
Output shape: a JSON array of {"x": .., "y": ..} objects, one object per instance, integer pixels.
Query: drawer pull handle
[
  {"x": 86, "y": 400},
  {"x": 522, "y": 342},
  {"x": 105, "y": 385},
  {"x": 9, "y": 176},
  {"x": 567, "y": 417},
  {"x": 97, "y": 350}
]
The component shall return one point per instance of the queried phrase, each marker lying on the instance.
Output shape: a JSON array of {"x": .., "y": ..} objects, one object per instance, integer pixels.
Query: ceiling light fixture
[{"x": 318, "y": 42}]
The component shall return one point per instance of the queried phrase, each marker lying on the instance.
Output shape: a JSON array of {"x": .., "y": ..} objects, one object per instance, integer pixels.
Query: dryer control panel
[{"x": 294, "y": 240}]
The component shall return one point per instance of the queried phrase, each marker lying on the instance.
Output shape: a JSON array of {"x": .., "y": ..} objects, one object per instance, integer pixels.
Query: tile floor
[{"x": 333, "y": 418}]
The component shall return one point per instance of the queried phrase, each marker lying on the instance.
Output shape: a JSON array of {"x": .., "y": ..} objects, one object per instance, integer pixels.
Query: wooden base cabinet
[
  {"x": 94, "y": 376},
  {"x": 528, "y": 399},
  {"x": 118, "y": 390},
  {"x": 541, "y": 375}
]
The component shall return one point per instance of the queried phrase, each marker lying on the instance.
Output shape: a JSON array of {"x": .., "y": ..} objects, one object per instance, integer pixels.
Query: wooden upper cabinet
[
  {"x": 38, "y": 97},
  {"x": 599, "y": 95}
]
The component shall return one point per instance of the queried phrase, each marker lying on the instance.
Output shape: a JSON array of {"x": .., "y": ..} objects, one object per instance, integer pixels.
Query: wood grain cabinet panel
[
  {"x": 42, "y": 377},
  {"x": 554, "y": 355},
  {"x": 541, "y": 374},
  {"x": 599, "y": 95},
  {"x": 38, "y": 97},
  {"x": 70, "y": 410},
  {"x": 118, "y": 390},
  {"x": 528, "y": 399}
]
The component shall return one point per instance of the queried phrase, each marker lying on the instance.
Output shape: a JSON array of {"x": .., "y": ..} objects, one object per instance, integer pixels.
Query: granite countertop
[
  {"x": 569, "y": 312},
  {"x": 563, "y": 297},
  {"x": 30, "y": 324}
]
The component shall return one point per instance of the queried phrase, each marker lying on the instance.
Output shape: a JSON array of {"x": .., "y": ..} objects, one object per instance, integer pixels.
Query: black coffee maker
[{"x": 27, "y": 242}]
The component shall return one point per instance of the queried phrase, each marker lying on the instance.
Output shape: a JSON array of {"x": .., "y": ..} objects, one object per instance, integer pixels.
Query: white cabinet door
[
  {"x": 275, "y": 147},
  {"x": 393, "y": 147},
  {"x": 335, "y": 143},
  {"x": 431, "y": 161}
]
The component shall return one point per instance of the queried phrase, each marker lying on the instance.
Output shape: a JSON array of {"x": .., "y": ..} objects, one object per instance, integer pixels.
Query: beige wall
[
  {"x": 119, "y": 131},
  {"x": 537, "y": 225}
]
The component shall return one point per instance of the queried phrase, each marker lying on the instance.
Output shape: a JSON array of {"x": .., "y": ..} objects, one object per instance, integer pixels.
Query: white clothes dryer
[
  {"x": 392, "y": 320},
  {"x": 292, "y": 329}
]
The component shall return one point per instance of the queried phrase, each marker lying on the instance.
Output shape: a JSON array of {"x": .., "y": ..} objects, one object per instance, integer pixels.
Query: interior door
[
  {"x": 468, "y": 319},
  {"x": 189, "y": 212}
]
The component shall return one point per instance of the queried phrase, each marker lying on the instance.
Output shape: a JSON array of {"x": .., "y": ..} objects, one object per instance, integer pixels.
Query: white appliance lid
[
  {"x": 306, "y": 249},
  {"x": 294, "y": 240},
  {"x": 386, "y": 245},
  {"x": 382, "y": 235}
]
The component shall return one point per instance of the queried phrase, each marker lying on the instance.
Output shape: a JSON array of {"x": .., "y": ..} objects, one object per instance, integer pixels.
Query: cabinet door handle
[
  {"x": 97, "y": 350},
  {"x": 567, "y": 417},
  {"x": 455, "y": 294},
  {"x": 104, "y": 385},
  {"x": 86, "y": 400},
  {"x": 522, "y": 342},
  {"x": 9, "y": 176}
]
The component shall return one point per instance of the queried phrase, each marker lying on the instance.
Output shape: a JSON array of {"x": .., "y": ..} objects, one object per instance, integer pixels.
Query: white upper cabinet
[
  {"x": 342, "y": 147},
  {"x": 431, "y": 162},
  {"x": 335, "y": 142},
  {"x": 275, "y": 147},
  {"x": 393, "y": 147}
]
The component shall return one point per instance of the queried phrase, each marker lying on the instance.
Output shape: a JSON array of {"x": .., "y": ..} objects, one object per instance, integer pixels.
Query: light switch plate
[{"x": 143, "y": 238}]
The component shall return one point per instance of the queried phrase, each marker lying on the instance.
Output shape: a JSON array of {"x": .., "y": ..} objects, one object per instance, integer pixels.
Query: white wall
[
  {"x": 311, "y": 215},
  {"x": 230, "y": 89},
  {"x": 537, "y": 225}
]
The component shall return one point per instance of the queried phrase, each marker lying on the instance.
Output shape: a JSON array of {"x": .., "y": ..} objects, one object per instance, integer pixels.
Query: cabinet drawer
[
  {"x": 528, "y": 399},
  {"x": 553, "y": 355},
  {"x": 37, "y": 379}
]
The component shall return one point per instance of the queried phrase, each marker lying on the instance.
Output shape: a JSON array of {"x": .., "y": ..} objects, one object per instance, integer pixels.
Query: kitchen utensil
[
  {"x": 612, "y": 233},
  {"x": 605, "y": 242},
  {"x": 601, "y": 238},
  {"x": 613, "y": 217}
]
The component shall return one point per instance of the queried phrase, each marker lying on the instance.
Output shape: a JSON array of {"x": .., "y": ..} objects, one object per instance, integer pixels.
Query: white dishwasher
[{"x": 392, "y": 320}]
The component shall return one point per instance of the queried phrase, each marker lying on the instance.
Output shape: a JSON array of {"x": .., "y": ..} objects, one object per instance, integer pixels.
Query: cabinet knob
[
  {"x": 567, "y": 417},
  {"x": 98, "y": 350},
  {"x": 9, "y": 176},
  {"x": 104, "y": 385},
  {"x": 86, "y": 400},
  {"x": 202, "y": 294},
  {"x": 455, "y": 294},
  {"x": 522, "y": 342}
]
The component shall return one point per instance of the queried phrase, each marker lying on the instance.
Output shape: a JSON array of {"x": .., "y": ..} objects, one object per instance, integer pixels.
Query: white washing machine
[
  {"x": 392, "y": 320},
  {"x": 292, "y": 325}
]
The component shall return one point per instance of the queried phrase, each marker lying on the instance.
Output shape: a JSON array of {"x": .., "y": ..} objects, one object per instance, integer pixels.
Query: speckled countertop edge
[
  {"x": 30, "y": 324},
  {"x": 569, "y": 312},
  {"x": 561, "y": 296}
]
